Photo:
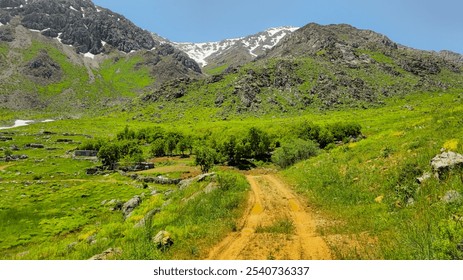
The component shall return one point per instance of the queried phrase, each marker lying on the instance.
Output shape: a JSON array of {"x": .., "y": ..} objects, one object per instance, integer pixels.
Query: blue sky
[{"x": 422, "y": 24}]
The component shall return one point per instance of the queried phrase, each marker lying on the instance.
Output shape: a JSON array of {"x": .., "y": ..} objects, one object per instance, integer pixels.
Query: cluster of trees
[
  {"x": 234, "y": 149},
  {"x": 329, "y": 135}
]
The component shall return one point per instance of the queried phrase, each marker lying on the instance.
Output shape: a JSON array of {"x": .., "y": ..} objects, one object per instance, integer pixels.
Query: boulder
[
  {"x": 130, "y": 205},
  {"x": 163, "y": 240},
  {"x": 446, "y": 161},
  {"x": 108, "y": 254}
]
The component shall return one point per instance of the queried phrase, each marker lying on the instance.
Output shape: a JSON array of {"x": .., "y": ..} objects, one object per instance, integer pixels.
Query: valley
[{"x": 293, "y": 143}]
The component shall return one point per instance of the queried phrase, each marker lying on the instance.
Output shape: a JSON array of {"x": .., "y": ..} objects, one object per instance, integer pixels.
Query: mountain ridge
[{"x": 245, "y": 48}]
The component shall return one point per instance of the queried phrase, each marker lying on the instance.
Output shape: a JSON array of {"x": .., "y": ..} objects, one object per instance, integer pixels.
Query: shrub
[
  {"x": 293, "y": 151},
  {"x": 92, "y": 144},
  {"x": 344, "y": 131}
]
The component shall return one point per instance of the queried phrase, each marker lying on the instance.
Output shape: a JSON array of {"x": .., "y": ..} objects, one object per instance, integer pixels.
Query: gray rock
[
  {"x": 147, "y": 217},
  {"x": 130, "y": 205},
  {"x": 451, "y": 197},
  {"x": 187, "y": 182},
  {"x": 163, "y": 240},
  {"x": 426, "y": 176},
  {"x": 108, "y": 254},
  {"x": 114, "y": 204},
  {"x": 446, "y": 161}
]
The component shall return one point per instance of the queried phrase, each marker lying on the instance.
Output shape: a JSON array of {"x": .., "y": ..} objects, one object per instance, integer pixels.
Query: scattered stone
[
  {"x": 187, "y": 182},
  {"x": 451, "y": 197},
  {"x": 72, "y": 245},
  {"x": 159, "y": 180},
  {"x": 163, "y": 240},
  {"x": 114, "y": 204},
  {"x": 64, "y": 141},
  {"x": 35, "y": 146},
  {"x": 91, "y": 171},
  {"x": 91, "y": 239},
  {"x": 423, "y": 178},
  {"x": 446, "y": 161},
  {"x": 130, "y": 205},
  {"x": 147, "y": 217},
  {"x": 411, "y": 201},
  {"x": 108, "y": 254},
  {"x": 3, "y": 138},
  {"x": 154, "y": 192}
]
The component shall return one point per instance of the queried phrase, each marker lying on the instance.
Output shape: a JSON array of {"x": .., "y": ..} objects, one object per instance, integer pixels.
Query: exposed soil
[{"x": 259, "y": 237}]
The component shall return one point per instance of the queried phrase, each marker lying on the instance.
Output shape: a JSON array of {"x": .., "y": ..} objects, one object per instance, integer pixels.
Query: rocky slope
[
  {"x": 78, "y": 23},
  {"x": 234, "y": 52},
  {"x": 47, "y": 46},
  {"x": 323, "y": 67}
]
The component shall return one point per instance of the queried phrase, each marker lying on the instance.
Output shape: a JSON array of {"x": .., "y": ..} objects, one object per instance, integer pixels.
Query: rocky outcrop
[
  {"x": 6, "y": 34},
  {"x": 445, "y": 162},
  {"x": 130, "y": 205},
  {"x": 43, "y": 69}
]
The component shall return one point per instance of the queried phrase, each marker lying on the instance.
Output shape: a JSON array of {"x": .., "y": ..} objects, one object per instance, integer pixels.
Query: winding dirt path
[{"x": 276, "y": 226}]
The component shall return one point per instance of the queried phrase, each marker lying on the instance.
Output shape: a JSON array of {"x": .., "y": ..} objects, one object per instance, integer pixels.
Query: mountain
[
  {"x": 74, "y": 51},
  {"x": 73, "y": 56},
  {"x": 78, "y": 23},
  {"x": 319, "y": 67},
  {"x": 234, "y": 52}
]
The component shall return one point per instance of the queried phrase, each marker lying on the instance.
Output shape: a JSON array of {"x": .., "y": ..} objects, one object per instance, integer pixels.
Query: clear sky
[{"x": 422, "y": 24}]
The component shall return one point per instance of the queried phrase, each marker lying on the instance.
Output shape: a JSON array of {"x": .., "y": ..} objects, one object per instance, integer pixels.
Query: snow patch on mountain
[{"x": 254, "y": 44}]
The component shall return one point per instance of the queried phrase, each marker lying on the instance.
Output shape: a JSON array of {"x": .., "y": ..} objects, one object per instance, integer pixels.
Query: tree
[
  {"x": 205, "y": 158},
  {"x": 158, "y": 148},
  {"x": 109, "y": 154},
  {"x": 170, "y": 145},
  {"x": 293, "y": 151},
  {"x": 259, "y": 143}
]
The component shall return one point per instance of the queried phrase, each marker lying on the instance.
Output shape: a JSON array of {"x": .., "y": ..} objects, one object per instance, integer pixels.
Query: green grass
[
  {"x": 217, "y": 70},
  {"x": 345, "y": 182},
  {"x": 123, "y": 76},
  {"x": 50, "y": 209},
  {"x": 281, "y": 226}
]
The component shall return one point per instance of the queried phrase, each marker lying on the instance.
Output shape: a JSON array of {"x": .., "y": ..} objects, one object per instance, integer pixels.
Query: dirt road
[{"x": 276, "y": 225}]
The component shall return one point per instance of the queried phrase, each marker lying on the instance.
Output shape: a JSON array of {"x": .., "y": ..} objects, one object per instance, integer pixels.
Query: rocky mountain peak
[
  {"x": 237, "y": 50},
  {"x": 79, "y": 23},
  {"x": 334, "y": 39}
]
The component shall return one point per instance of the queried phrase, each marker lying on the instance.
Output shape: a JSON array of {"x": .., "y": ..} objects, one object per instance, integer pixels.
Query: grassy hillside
[{"x": 365, "y": 191}]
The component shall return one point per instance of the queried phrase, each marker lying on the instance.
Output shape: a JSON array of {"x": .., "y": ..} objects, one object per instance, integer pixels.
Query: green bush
[
  {"x": 205, "y": 157},
  {"x": 158, "y": 148},
  {"x": 344, "y": 131},
  {"x": 293, "y": 151}
]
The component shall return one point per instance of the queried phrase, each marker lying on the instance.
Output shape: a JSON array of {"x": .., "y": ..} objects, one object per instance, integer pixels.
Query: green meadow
[{"x": 364, "y": 190}]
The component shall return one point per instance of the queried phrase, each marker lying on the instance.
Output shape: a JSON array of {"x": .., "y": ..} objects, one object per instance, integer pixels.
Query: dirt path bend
[{"x": 276, "y": 225}]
